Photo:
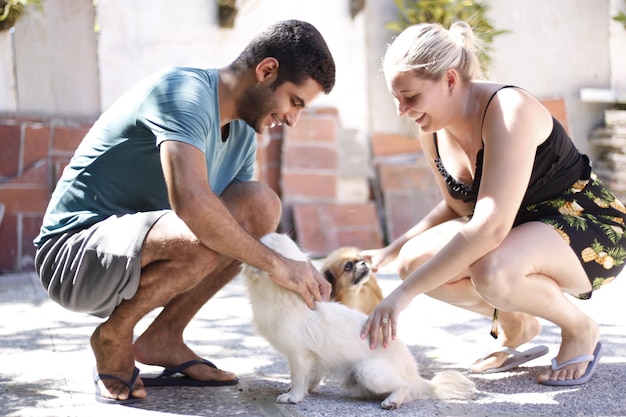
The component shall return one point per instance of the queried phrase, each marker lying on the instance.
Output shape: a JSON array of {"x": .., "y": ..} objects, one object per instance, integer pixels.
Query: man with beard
[{"x": 157, "y": 208}]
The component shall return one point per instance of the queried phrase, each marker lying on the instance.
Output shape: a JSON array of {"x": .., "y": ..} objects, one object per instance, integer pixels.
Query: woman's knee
[
  {"x": 491, "y": 276},
  {"x": 412, "y": 256}
]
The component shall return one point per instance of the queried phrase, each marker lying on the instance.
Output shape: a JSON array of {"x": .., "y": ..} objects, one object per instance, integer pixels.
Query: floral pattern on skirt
[{"x": 592, "y": 221}]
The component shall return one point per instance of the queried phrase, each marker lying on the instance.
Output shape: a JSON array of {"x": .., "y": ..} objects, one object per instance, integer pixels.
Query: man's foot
[
  {"x": 115, "y": 360},
  {"x": 171, "y": 354},
  {"x": 517, "y": 329},
  {"x": 584, "y": 342}
]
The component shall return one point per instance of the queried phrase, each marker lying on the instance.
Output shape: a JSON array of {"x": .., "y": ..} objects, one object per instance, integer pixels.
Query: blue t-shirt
[{"x": 117, "y": 170}]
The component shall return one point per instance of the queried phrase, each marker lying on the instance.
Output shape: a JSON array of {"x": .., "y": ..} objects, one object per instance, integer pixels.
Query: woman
[{"x": 523, "y": 218}]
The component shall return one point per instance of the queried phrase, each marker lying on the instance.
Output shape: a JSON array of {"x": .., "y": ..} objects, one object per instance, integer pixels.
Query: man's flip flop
[
  {"x": 175, "y": 378},
  {"x": 106, "y": 400},
  {"x": 591, "y": 367},
  {"x": 515, "y": 359}
]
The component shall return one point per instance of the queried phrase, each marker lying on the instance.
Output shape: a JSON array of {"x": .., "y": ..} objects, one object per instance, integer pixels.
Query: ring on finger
[{"x": 385, "y": 321}]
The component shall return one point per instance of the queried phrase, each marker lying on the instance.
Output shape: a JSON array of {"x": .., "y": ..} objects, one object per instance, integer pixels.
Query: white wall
[
  {"x": 55, "y": 61},
  {"x": 555, "y": 48},
  {"x": 136, "y": 40}
]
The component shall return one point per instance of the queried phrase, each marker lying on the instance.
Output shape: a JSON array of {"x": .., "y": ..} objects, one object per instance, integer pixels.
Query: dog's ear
[{"x": 330, "y": 277}]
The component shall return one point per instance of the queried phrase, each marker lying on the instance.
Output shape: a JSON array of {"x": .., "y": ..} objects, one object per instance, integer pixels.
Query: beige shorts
[{"x": 93, "y": 270}]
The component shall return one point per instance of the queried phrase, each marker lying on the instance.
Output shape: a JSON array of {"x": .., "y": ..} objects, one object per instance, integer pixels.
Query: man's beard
[{"x": 254, "y": 105}]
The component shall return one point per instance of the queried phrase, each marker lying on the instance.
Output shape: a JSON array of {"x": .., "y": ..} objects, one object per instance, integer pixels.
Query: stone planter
[
  {"x": 226, "y": 14},
  {"x": 614, "y": 117},
  {"x": 610, "y": 143}
]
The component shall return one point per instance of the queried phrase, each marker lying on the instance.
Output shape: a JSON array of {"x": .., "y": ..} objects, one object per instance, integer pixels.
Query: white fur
[{"x": 325, "y": 343}]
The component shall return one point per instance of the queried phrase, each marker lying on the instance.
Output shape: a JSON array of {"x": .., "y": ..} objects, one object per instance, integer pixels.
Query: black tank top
[{"x": 558, "y": 164}]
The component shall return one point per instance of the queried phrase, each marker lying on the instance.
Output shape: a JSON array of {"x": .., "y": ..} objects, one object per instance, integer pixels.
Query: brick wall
[
  {"x": 34, "y": 153},
  {"x": 306, "y": 157},
  {"x": 299, "y": 163}
]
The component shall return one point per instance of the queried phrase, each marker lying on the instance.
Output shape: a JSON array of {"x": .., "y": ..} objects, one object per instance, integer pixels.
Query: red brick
[
  {"x": 58, "y": 165},
  {"x": 39, "y": 174},
  {"x": 330, "y": 111},
  {"x": 295, "y": 185},
  {"x": 404, "y": 209},
  {"x": 403, "y": 177},
  {"x": 273, "y": 179},
  {"x": 274, "y": 153},
  {"x": 556, "y": 107},
  {"x": 319, "y": 128},
  {"x": 36, "y": 144},
  {"x": 276, "y": 132},
  {"x": 261, "y": 161},
  {"x": 303, "y": 157},
  {"x": 30, "y": 230},
  {"x": 398, "y": 215},
  {"x": 10, "y": 143},
  {"x": 321, "y": 228},
  {"x": 25, "y": 199},
  {"x": 67, "y": 138},
  {"x": 363, "y": 239},
  {"x": 8, "y": 242},
  {"x": 384, "y": 144},
  {"x": 261, "y": 155},
  {"x": 408, "y": 192}
]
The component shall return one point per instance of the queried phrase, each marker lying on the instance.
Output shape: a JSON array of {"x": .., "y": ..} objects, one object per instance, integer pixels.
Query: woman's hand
[
  {"x": 384, "y": 319},
  {"x": 379, "y": 258}
]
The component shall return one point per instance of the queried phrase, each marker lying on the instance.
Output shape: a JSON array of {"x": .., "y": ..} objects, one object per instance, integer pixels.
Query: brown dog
[{"x": 353, "y": 282}]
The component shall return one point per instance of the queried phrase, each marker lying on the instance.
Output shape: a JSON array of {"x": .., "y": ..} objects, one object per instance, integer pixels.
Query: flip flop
[
  {"x": 106, "y": 400},
  {"x": 174, "y": 377},
  {"x": 593, "y": 361},
  {"x": 515, "y": 359}
]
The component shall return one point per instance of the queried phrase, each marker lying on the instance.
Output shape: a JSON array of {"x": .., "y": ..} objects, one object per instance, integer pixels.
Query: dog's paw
[
  {"x": 388, "y": 404},
  {"x": 289, "y": 398}
]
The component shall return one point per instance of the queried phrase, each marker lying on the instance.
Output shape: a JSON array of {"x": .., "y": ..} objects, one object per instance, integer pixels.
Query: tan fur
[
  {"x": 324, "y": 343},
  {"x": 354, "y": 284}
]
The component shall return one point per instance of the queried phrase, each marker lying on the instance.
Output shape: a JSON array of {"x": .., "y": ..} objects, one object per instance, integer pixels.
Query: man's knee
[{"x": 255, "y": 206}]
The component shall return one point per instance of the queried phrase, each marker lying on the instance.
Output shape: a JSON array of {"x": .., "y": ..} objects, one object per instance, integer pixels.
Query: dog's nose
[{"x": 363, "y": 265}]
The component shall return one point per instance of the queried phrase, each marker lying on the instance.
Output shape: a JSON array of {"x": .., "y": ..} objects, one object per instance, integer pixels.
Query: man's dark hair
[{"x": 301, "y": 52}]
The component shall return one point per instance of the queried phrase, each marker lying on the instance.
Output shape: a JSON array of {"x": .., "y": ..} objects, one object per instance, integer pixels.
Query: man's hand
[
  {"x": 324, "y": 286},
  {"x": 303, "y": 278}
]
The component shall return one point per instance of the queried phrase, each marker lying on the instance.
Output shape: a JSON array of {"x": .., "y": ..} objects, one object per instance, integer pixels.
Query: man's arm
[{"x": 191, "y": 198}]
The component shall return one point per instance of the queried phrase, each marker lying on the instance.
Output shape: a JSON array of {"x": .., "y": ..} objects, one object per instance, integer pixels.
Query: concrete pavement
[{"x": 46, "y": 362}]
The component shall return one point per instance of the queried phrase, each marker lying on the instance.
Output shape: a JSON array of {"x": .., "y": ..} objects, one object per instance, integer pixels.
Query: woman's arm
[{"x": 515, "y": 124}]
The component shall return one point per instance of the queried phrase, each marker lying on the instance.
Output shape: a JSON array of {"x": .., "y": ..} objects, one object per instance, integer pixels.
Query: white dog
[{"x": 325, "y": 343}]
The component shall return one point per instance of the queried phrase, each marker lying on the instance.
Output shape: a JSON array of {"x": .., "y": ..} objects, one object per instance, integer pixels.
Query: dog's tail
[{"x": 450, "y": 385}]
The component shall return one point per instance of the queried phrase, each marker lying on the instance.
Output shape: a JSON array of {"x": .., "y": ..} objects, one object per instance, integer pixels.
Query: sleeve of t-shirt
[{"x": 179, "y": 108}]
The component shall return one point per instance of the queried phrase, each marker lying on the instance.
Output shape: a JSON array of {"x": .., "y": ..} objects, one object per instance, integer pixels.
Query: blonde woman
[{"x": 523, "y": 218}]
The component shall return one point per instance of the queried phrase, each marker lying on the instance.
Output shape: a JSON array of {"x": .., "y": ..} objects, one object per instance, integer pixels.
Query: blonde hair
[{"x": 430, "y": 49}]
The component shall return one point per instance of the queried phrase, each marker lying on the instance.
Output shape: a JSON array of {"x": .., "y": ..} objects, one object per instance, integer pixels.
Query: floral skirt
[{"x": 592, "y": 221}]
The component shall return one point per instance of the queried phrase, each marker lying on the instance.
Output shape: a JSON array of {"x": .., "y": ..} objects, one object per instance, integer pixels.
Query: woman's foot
[
  {"x": 172, "y": 352},
  {"x": 115, "y": 358},
  {"x": 517, "y": 329},
  {"x": 581, "y": 341}
]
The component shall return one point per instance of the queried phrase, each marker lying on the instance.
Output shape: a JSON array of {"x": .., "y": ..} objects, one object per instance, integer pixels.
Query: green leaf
[{"x": 446, "y": 12}]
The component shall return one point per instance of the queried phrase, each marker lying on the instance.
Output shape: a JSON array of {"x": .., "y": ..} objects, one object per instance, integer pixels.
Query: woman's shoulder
[{"x": 514, "y": 106}]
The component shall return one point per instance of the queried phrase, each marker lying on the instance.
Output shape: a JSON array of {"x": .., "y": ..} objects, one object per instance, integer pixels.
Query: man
[{"x": 157, "y": 207}]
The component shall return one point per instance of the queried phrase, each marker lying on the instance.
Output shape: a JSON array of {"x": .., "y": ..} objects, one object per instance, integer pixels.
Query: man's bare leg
[{"x": 180, "y": 274}]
